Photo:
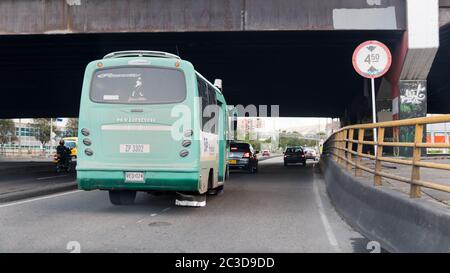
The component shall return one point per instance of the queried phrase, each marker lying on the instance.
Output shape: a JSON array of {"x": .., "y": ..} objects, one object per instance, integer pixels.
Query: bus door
[{"x": 222, "y": 121}]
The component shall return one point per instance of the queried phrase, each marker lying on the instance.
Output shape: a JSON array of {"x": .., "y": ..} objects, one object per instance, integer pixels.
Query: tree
[
  {"x": 72, "y": 127},
  {"x": 42, "y": 126},
  {"x": 7, "y": 131}
]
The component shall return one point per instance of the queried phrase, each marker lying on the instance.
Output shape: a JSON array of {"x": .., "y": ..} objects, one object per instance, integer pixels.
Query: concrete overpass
[{"x": 291, "y": 53}]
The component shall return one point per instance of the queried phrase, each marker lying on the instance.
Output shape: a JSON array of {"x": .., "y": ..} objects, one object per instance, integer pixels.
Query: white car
[{"x": 310, "y": 153}]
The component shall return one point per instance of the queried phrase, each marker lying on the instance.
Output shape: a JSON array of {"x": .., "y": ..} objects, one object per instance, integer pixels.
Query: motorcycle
[{"x": 62, "y": 165}]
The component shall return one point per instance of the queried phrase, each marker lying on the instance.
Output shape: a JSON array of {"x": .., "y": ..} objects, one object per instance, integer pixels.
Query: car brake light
[
  {"x": 234, "y": 148},
  {"x": 247, "y": 154}
]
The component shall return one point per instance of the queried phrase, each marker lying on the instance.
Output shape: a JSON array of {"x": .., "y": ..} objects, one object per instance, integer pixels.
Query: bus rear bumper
[{"x": 115, "y": 180}]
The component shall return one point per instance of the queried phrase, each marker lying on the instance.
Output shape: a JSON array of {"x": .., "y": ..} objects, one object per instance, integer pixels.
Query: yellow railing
[{"x": 340, "y": 147}]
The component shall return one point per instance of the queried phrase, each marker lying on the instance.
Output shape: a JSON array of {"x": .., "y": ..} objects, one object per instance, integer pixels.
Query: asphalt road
[
  {"x": 279, "y": 209},
  {"x": 27, "y": 179}
]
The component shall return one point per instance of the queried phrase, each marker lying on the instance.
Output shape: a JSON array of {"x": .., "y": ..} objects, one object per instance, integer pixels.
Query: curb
[{"x": 62, "y": 187}]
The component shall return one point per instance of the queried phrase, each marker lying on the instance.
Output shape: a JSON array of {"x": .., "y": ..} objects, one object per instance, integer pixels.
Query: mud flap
[{"x": 190, "y": 200}]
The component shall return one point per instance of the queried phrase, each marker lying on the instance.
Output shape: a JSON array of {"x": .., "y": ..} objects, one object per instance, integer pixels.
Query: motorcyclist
[{"x": 63, "y": 153}]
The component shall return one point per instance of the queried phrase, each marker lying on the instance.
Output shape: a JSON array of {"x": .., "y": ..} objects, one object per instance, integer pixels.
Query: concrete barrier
[{"x": 398, "y": 223}]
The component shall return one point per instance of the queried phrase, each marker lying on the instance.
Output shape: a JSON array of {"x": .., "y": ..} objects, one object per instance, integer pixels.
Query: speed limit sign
[{"x": 372, "y": 59}]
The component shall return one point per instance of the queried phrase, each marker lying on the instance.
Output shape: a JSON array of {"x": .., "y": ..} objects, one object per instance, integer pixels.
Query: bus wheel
[
  {"x": 227, "y": 173},
  {"x": 215, "y": 191},
  {"x": 122, "y": 197}
]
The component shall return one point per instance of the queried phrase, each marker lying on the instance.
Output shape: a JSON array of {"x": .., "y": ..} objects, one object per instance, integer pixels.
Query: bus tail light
[
  {"x": 184, "y": 153},
  {"x": 188, "y": 133},
  {"x": 87, "y": 141},
  {"x": 88, "y": 152},
  {"x": 186, "y": 143},
  {"x": 85, "y": 132}
]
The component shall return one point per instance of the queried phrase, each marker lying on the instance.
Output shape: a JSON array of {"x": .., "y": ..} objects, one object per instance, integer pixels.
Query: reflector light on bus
[{"x": 88, "y": 152}]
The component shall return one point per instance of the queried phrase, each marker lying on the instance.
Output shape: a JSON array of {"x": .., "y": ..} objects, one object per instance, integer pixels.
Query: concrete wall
[
  {"x": 398, "y": 223},
  {"x": 93, "y": 16}
]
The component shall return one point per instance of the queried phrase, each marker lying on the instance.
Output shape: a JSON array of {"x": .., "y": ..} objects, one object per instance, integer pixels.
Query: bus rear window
[{"x": 138, "y": 85}]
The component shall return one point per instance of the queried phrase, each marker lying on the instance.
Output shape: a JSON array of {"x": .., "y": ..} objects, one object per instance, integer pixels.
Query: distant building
[
  {"x": 26, "y": 132},
  {"x": 438, "y": 133}
]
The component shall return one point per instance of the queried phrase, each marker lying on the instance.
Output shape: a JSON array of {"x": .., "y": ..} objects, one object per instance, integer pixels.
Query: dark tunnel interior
[{"x": 307, "y": 73}]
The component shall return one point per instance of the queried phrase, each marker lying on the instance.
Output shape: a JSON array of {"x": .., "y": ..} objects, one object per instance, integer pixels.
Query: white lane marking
[
  {"x": 325, "y": 222},
  {"x": 39, "y": 198},
  {"x": 50, "y": 177},
  {"x": 162, "y": 211}
]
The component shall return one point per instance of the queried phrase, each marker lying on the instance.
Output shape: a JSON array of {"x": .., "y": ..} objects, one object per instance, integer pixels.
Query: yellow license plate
[{"x": 232, "y": 161}]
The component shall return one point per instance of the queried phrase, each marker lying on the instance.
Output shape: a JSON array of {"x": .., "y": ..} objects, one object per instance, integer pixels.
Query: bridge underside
[
  {"x": 439, "y": 77},
  {"x": 307, "y": 73}
]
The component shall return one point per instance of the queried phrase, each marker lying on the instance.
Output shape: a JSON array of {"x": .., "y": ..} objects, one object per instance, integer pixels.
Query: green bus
[{"x": 142, "y": 127}]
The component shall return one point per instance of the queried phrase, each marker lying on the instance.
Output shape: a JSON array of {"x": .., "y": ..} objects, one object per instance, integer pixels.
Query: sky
[{"x": 289, "y": 123}]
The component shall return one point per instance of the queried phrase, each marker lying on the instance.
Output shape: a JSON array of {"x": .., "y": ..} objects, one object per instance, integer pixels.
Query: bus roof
[{"x": 141, "y": 53}]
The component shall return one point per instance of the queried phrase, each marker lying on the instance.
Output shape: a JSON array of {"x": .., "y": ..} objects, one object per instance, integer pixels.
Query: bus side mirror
[{"x": 218, "y": 83}]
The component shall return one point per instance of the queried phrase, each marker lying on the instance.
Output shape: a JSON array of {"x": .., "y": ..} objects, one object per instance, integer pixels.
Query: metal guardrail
[{"x": 340, "y": 147}]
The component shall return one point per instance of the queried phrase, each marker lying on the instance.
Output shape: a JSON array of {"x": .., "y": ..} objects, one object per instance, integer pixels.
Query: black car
[
  {"x": 294, "y": 155},
  {"x": 243, "y": 156}
]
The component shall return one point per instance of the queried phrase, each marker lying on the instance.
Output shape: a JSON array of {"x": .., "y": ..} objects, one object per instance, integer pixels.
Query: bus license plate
[
  {"x": 134, "y": 148},
  {"x": 134, "y": 177}
]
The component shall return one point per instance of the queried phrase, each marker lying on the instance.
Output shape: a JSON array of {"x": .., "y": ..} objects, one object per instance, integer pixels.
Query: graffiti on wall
[
  {"x": 414, "y": 93},
  {"x": 413, "y": 103}
]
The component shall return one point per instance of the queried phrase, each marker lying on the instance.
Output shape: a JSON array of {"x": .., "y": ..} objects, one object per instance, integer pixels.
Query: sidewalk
[{"x": 437, "y": 176}]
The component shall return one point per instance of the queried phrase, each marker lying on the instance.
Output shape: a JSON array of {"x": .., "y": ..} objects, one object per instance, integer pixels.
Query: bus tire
[
  {"x": 122, "y": 197},
  {"x": 215, "y": 191},
  {"x": 227, "y": 173}
]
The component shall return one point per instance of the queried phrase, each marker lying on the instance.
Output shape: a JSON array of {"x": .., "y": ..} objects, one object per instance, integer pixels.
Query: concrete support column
[
  {"x": 414, "y": 57},
  {"x": 411, "y": 103}
]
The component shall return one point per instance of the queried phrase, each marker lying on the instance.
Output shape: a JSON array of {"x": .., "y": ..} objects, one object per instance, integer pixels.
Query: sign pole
[{"x": 374, "y": 115}]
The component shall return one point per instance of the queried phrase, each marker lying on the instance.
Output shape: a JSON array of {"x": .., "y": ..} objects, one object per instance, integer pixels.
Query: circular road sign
[{"x": 372, "y": 59}]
